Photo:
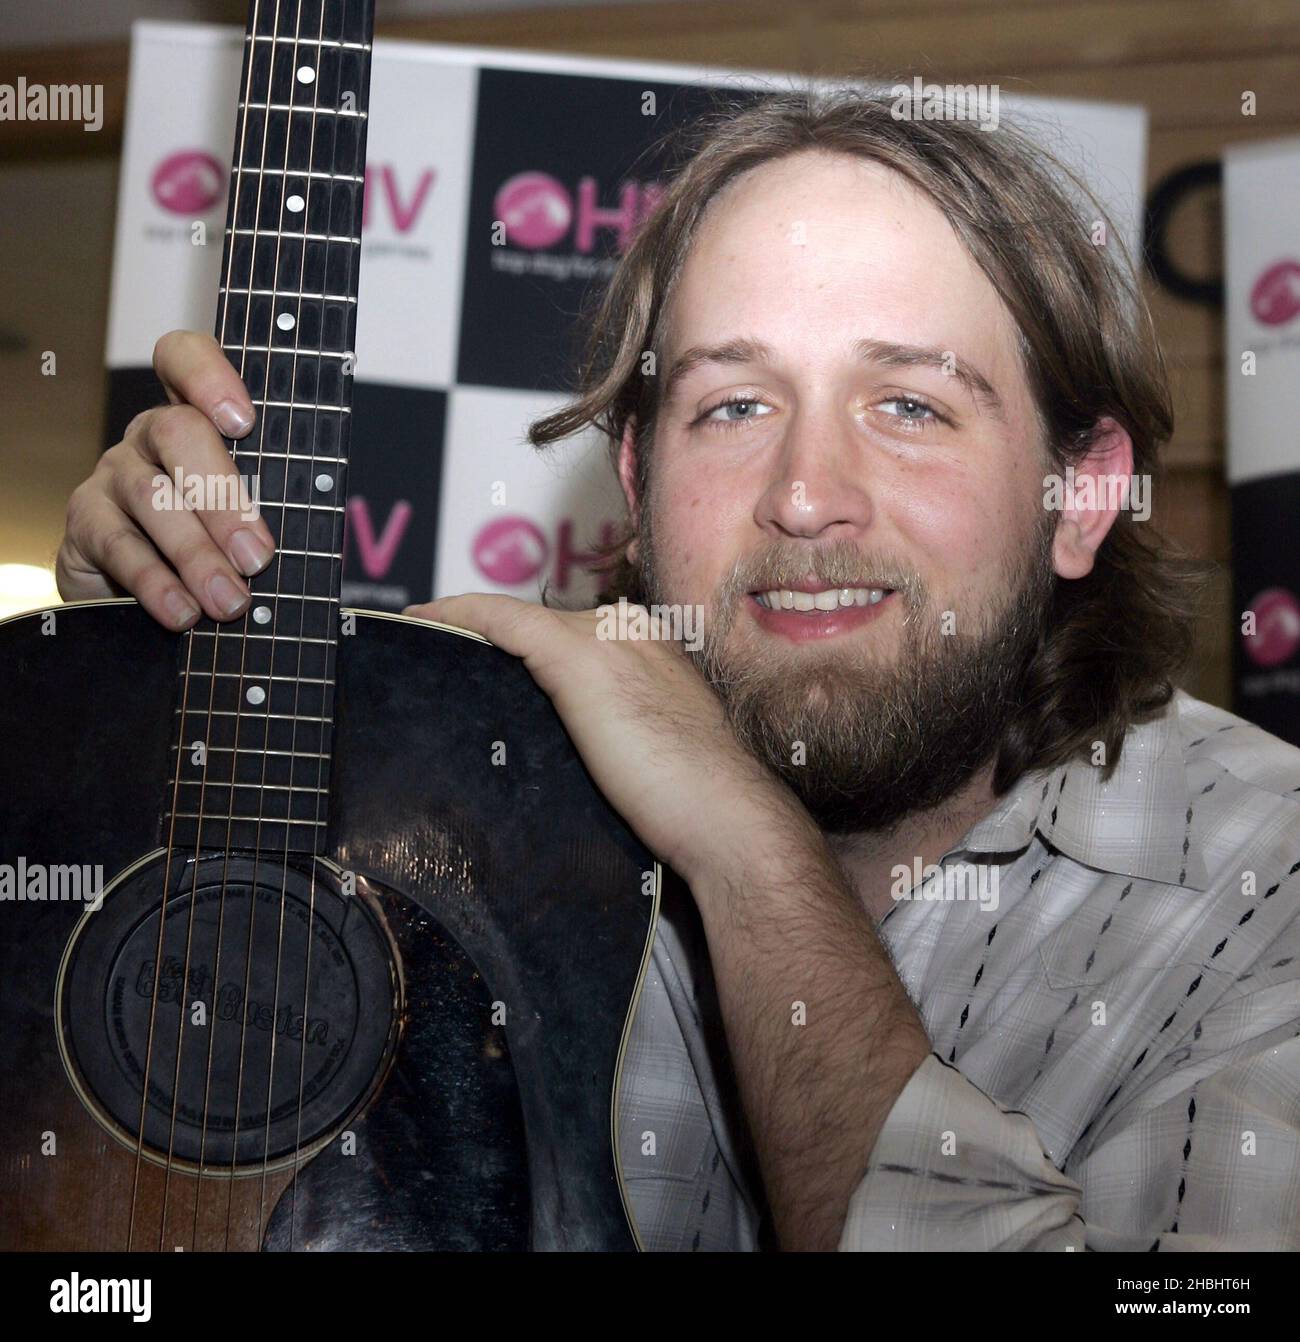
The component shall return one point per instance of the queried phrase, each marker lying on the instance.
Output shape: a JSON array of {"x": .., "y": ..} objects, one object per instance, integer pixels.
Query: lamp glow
[{"x": 26, "y": 587}]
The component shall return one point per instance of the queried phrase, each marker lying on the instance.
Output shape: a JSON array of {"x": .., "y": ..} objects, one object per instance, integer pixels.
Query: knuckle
[
  {"x": 112, "y": 461},
  {"x": 115, "y": 541},
  {"x": 169, "y": 346},
  {"x": 142, "y": 489},
  {"x": 139, "y": 423},
  {"x": 166, "y": 345},
  {"x": 193, "y": 554},
  {"x": 78, "y": 502},
  {"x": 173, "y": 428}
]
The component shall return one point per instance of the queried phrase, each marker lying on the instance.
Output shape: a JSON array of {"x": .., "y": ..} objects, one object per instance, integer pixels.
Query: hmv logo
[
  {"x": 1275, "y": 297},
  {"x": 514, "y": 550},
  {"x": 192, "y": 182},
  {"x": 539, "y": 211},
  {"x": 392, "y": 201},
  {"x": 376, "y": 548},
  {"x": 189, "y": 182}
]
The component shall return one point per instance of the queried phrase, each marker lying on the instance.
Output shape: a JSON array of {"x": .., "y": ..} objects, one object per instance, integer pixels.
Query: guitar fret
[
  {"x": 289, "y": 349},
  {"x": 289, "y": 233},
  {"x": 274, "y": 638},
  {"x": 294, "y": 596},
  {"x": 249, "y": 715},
  {"x": 253, "y": 750},
  {"x": 296, "y": 456},
  {"x": 300, "y": 405},
  {"x": 240, "y": 169},
  {"x": 309, "y": 41},
  {"x": 256, "y": 819},
  {"x": 253, "y": 675},
  {"x": 290, "y": 293},
  {"x": 295, "y": 107}
]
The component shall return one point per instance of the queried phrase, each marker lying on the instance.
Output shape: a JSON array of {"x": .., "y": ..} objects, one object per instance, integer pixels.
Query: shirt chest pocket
[{"x": 1070, "y": 960}]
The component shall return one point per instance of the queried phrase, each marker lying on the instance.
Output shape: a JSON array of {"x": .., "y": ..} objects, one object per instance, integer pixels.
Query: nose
[{"x": 818, "y": 487}]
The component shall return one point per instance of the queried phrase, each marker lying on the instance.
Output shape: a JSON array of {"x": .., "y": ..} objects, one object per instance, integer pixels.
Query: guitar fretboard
[{"x": 255, "y": 710}]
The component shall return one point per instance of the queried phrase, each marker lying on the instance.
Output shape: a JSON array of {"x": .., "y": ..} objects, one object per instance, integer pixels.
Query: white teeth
[{"x": 830, "y": 599}]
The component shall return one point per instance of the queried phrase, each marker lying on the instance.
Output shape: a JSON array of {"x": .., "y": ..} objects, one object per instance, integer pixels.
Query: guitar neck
[{"x": 258, "y": 692}]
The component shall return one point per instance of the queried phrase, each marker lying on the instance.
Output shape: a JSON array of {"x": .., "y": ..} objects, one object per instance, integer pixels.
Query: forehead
[{"x": 822, "y": 247}]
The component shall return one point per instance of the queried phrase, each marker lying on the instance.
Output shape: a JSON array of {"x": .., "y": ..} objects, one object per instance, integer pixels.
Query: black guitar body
[{"x": 408, "y": 1039}]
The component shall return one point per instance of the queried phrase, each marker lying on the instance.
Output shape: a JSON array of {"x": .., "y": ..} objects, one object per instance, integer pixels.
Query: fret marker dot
[
  {"x": 256, "y": 695},
  {"x": 262, "y": 614},
  {"x": 306, "y": 74},
  {"x": 284, "y": 321},
  {"x": 295, "y": 204},
  {"x": 324, "y": 482}
]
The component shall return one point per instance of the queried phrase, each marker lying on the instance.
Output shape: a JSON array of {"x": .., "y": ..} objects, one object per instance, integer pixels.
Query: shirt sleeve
[
  {"x": 952, "y": 1170},
  {"x": 1205, "y": 1156}
]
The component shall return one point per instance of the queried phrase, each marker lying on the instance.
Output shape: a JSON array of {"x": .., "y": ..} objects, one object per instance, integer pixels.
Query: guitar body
[{"x": 409, "y": 1038}]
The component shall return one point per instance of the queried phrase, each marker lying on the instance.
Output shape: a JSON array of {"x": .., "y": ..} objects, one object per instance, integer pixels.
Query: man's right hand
[{"x": 172, "y": 559}]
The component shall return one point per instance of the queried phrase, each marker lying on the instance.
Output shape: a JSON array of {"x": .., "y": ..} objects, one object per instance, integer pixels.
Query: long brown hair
[{"x": 1114, "y": 640}]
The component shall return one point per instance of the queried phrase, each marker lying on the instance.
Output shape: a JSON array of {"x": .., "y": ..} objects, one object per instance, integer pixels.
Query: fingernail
[
  {"x": 227, "y": 598},
  {"x": 250, "y": 554},
  {"x": 231, "y": 419},
  {"x": 180, "y": 609}
]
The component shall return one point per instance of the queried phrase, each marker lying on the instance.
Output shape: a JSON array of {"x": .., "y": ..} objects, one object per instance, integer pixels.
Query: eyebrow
[{"x": 887, "y": 353}]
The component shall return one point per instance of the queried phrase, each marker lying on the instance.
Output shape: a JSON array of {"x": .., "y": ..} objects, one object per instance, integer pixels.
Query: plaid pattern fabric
[{"x": 1116, "y": 1038}]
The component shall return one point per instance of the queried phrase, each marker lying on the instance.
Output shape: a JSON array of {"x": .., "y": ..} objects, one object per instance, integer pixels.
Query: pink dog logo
[
  {"x": 189, "y": 182},
  {"x": 1277, "y": 627},
  {"x": 509, "y": 551},
  {"x": 535, "y": 209},
  {"x": 1275, "y": 299}
]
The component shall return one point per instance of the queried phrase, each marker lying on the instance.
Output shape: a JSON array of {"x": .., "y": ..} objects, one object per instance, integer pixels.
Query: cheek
[
  {"x": 959, "y": 529},
  {"x": 695, "y": 520}
]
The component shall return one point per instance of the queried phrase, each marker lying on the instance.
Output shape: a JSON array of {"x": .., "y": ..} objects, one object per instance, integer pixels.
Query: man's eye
[
  {"x": 745, "y": 407},
  {"x": 912, "y": 410}
]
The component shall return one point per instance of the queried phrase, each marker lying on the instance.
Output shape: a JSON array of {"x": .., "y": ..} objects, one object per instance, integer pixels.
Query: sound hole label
[{"x": 263, "y": 1025}]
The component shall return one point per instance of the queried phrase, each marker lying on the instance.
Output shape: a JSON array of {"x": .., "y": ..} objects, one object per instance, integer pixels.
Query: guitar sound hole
[{"x": 280, "y": 999}]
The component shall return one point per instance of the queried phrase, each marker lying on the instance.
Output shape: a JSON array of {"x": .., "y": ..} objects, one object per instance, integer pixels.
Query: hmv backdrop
[{"x": 479, "y": 250}]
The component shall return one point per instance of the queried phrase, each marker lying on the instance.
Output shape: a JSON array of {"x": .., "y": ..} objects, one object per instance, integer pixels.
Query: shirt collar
[{"x": 1134, "y": 825}]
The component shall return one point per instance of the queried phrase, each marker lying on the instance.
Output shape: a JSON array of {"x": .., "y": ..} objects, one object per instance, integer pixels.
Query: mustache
[{"x": 838, "y": 564}]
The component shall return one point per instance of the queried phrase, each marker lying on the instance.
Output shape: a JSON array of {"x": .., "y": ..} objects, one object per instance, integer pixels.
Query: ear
[
  {"x": 627, "y": 478},
  {"x": 1090, "y": 496}
]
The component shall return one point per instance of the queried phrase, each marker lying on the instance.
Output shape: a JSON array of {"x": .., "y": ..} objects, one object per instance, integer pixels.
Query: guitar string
[
  {"x": 336, "y": 559},
  {"x": 171, "y": 832},
  {"x": 285, "y": 175},
  {"x": 302, "y": 612},
  {"x": 239, "y": 634}
]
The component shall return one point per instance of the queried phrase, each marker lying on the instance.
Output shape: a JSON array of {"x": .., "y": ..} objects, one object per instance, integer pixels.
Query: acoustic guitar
[{"x": 315, "y": 932}]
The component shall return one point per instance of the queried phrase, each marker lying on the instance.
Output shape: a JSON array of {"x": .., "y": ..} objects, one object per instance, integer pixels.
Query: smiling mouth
[{"x": 820, "y": 602}]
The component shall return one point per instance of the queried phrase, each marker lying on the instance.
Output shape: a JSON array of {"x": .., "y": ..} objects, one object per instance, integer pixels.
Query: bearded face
[
  {"x": 845, "y": 420},
  {"x": 863, "y": 734}
]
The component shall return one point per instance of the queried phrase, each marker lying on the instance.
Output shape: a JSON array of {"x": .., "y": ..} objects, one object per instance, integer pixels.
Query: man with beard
[{"x": 838, "y": 368}]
